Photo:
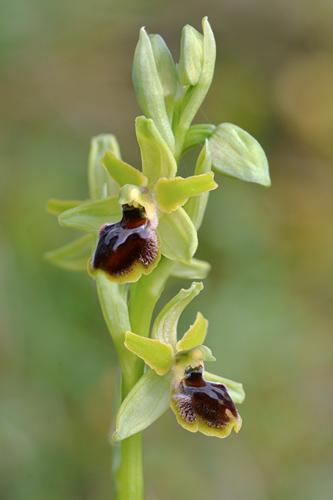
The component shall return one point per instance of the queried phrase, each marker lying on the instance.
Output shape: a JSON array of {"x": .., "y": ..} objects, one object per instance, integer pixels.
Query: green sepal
[
  {"x": 191, "y": 55},
  {"x": 144, "y": 404},
  {"x": 74, "y": 256},
  {"x": 57, "y": 207},
  {"x": 235, "y": 389},
  {"x": 122, "y": 172},
  {"x": 165, "y": 325},
  {"x": 196, "y": 207},
  {"x": 196, "y": 135},
  {"x": 177, "y": 234},
  {"x": 235, "y": 153},
  {"x": 90, "y": 217},
  {"x": 171, "y": 194},
  {"x": 165, "y": 65},
  {"x": 148, "y": 87},
  {"x": 97, "y": 177},
  {"x": 154, "y": 353},
  {"x": 195, "y": 269},
  {"x": 157, "y": 158},
  {"x": 195, "y": 335}
]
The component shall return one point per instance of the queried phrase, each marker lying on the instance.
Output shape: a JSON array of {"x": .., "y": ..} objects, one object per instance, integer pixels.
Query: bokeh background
[{"x": 66, "y": 76}]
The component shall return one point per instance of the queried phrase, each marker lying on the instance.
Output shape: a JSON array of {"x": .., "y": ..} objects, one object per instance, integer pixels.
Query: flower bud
[
  {"x": 165, "y": 65},
  {"x": 191, "y": 56},
  {"x": 148, "y": 87}
]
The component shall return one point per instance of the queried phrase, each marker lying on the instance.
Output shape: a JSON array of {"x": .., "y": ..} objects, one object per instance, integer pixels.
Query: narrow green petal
[
  {"x": 235, "y": 153},
  {"x": 157, "y": 158},
  {"x": 196, "y": 135},
  {"x": 90, "y": 217},
  {"x": 194, "y": 269},
  {"x": 235, "y": 389},
  {"x": 165, "y": 325},
  {"x": 195, "y": 335},
  {"x": 74, "y": 256},
  {"x": 122, "y": 172},
  {"x": 57, "y": 207},
  {"x": 145, "y": 403},
  {"x": 155, "y": 354},
  {"x": 178, "y": 237},
  {"x": 171, "y": 194},
  {"x": 149, "y": 88},
  {"x": 196, "y": 206},
  {"x": 97, "y": 177}
]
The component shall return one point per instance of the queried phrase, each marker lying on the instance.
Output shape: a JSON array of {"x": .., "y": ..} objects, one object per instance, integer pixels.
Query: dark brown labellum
[
  {"x": 125, "y": 245},
  {"x": 207, "y": 402}
]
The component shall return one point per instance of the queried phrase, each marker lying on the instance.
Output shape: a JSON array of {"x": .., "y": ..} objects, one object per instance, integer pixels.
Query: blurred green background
[{"x": 66, "y": 76}]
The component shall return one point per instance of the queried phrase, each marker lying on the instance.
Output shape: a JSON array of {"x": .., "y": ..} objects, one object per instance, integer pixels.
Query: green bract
[
  {"x": 236, "y": 153},
  {"x": 168, "y": 360}
]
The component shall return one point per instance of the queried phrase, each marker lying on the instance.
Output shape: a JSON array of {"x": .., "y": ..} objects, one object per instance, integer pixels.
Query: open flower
[
  {"x": 150, "y": 206},
  {"x": 130, "y": 247},
  {"x": 201, "y": 401}
]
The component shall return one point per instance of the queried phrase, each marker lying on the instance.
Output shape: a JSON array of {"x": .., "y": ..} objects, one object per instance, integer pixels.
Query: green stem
[
  {"x": 144, "y": 295},
  {"x": 115, "y": 311},
  {"x": 130, "y": 484}
]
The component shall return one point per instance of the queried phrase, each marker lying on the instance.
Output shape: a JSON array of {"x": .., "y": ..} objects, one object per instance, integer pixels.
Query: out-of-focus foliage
[{"x": 65, "y": 71}]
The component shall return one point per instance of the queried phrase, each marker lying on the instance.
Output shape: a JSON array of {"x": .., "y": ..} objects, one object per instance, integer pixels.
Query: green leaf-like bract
[
  {"x": 145, "y": 403},
  {"x": 235, "y": 153}
]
